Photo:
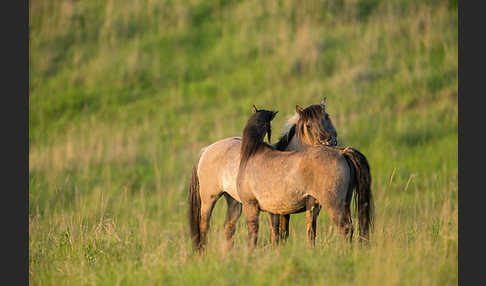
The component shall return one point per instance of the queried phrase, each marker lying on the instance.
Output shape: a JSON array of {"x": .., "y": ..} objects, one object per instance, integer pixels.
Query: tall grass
[{"x": 123, "y": 94}]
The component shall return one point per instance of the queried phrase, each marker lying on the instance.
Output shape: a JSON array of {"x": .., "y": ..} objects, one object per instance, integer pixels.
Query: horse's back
[
  {"x": 327, "y": 154},
  {"x": 218, "y": 167}
]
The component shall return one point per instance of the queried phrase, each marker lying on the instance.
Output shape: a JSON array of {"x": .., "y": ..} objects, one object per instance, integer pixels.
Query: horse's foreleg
[
  {"x": 252, "y": 212},
  {"x": 269, "y": 216},
  {"x": 274, "y": 228},
  {"x": 233, "y": 213},
  {"x": 284, "y": 227}
]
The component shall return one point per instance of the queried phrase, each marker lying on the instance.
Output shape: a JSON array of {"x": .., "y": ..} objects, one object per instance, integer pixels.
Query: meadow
[{"x": 124, "y": 94}]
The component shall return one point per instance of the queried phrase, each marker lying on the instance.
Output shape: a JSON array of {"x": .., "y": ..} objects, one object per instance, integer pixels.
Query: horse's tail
[
  {"x": 363, "y": 199},
  {"x": 194, "y": 200}
]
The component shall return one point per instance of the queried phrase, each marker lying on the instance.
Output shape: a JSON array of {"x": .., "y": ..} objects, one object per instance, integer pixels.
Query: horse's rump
[{"x": 218, "y": 167}]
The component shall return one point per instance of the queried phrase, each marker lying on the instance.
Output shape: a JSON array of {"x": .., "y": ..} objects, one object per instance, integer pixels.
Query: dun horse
[
  {"x": 287, "y": 182},
  {"x": 215, "y": 171}
]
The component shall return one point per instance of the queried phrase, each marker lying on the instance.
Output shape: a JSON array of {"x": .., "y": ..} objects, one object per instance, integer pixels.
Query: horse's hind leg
[
  {"x": 233, "y": 213},
  {"x": 284, "y": 227},
  {"x": 252, "y": 212},
  {"x": 342, "y": 218},
  {"x": 207, "y": 206},
  {"x": 337, "y": 208},
  {"x": 312, "y": 213}
]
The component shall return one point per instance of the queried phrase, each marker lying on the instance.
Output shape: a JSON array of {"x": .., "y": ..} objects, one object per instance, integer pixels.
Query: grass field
[{"x": 123, "y": 94}]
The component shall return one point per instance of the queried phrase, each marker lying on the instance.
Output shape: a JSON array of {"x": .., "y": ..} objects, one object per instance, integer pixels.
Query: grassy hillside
[{"x": 123, "y": 94}]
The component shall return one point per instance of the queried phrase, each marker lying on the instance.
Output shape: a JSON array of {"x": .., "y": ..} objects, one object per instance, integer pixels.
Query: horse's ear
[
  {"x": 323, "y": 102},
  {"x": 254, "y": 109},
  {"x": 299, "y": 109}
]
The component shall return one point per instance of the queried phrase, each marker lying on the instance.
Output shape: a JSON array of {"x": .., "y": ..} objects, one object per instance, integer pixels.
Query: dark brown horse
[
  {"x": 288, "y": 182},
  {"x": 214, "y": 173}
]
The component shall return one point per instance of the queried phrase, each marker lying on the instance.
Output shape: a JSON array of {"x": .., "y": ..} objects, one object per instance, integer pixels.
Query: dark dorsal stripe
[{"x": 285, "y": 139}]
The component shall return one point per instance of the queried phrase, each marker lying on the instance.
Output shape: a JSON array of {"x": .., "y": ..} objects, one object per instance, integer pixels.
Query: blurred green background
[{"x": 123, "y": 94}]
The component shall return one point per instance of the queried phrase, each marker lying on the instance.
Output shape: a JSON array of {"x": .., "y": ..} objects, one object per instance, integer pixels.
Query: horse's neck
[{"x": 295, "y": 144}]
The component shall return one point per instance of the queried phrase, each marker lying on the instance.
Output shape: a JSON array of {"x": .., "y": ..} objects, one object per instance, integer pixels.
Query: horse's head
[
  {"x": 314, "y": 126},
  {"x": 260, "y": 123}
]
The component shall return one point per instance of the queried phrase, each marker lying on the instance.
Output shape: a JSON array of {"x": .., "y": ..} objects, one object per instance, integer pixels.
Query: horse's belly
[{"x": 282, "y": 204}]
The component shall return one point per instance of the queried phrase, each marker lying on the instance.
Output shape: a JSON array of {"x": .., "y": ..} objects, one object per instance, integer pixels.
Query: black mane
[
  {"x": 285, "y": 139},
  {"x": 255, "y": 130}
]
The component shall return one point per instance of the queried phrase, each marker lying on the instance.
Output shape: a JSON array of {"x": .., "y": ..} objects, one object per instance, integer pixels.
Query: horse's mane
[
  {"x": 289, "y": 132},
  {"x": 293, "y": 120},
  {"x": 285, "y": 139},
  {"x": 253, "y": 136}
]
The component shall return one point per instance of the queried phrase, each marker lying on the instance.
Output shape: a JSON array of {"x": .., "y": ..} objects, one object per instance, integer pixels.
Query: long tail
[
  {"x": 194, "y": 200},
  {"x": 363, "y": 199}
]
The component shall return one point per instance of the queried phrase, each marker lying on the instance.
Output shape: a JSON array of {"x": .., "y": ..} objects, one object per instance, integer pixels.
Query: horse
[
  {"x": 287, "y": 182},
  {"x": 215, "y": 170}
]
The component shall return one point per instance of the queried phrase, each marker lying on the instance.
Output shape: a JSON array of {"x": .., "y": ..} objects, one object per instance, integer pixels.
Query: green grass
[{"x": 123, "y": 94}]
